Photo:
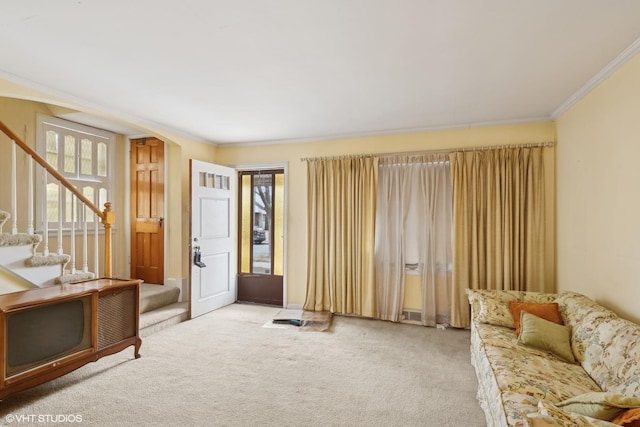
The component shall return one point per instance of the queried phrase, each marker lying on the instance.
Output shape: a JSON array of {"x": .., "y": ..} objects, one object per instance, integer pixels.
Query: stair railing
[{"x": 107, "y": 217}]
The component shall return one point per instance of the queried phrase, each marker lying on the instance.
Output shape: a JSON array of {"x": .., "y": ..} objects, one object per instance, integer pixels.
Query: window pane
[
  {"x": 52, "y": 148},
  {"x": 88, "y": 192},
  {"x": 262, "y": 218},
  {"x": 102, "y": 159},
  {"x": 102, "y": 198},
  {"x": 246, "y": 225},
  {"x": 69, "y": 154},
  {"x": 278, "y": 225},
  {"x": 52, "y": 202},
  {"x": 86, "y": 154},
  {"x": 67, "y": 205}
]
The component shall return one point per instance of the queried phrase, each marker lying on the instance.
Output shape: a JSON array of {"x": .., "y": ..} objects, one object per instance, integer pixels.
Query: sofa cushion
[
  {"x": 548, "y": 311},
  {"x": 629, "y": 418},
  {"x": 549, "y": 415},
  {"x": 490, "y": 306},
  {"x": 611, "y": 353},
  {"x": 545, "y": 335},
  {"x": 601, "y": 405},
  {"x": 528, "y": 370},
  {"x": 575, "y": 307}
]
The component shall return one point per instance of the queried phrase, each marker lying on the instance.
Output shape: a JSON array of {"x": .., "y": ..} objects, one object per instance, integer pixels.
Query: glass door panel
[{"x": 261, "y": 236}]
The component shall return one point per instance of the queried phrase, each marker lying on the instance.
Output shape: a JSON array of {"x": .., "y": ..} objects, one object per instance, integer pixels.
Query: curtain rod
[{"x": 417, "y": 153}]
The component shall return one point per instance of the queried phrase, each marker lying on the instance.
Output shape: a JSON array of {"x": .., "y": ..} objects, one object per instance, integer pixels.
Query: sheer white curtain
[
  {"x": 392, "y": 208},
  {"x": 434, "y": 179},
  {"x": 413, "y": 227}
]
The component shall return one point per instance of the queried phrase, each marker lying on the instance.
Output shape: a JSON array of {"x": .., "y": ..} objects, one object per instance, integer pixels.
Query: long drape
[
  {"x": 394, "y": 192},
  {"x": 498, "y": 217},
  {"x": 413, "y": 228},
  {"x": 341, "y": 206},
  {"x": 436, "y": 252}
]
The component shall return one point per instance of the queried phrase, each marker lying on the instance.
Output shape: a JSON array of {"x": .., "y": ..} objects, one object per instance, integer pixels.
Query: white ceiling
[{"x": 228, "y": 71}]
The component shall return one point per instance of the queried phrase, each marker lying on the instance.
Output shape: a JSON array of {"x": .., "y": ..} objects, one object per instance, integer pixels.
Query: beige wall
[
  {"x": 598, "y": 174},
  {"x": 297, "y": 190}
]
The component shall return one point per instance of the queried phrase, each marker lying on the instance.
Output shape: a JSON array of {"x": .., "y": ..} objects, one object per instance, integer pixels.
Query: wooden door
[
  {"x": 213, "y": 237},
  {"x": 147, "y": 210}
]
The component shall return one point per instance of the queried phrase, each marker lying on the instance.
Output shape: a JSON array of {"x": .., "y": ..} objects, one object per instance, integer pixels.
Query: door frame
[
  {"x": 285, "y": 167},
  {"x": 126, "y": 223}
]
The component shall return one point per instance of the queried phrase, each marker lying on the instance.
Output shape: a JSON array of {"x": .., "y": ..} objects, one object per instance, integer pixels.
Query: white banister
[
  {"x": 73, "y": 235},
  {"x": 85, "y": 243},
  {"x": 96, "y": 262},
  {"x": 45, "y": 215},
  {"x": 60, "y": 220},
  {"x": 30, "y": 195},
  {"x": 14, "y": 190}
]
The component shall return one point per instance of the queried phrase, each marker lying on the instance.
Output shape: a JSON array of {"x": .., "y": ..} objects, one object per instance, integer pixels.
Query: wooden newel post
[{"x": 107, "y": 220}]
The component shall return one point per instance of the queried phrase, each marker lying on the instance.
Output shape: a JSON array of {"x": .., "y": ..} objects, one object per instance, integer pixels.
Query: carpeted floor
[{"x": 226, "y": 369}]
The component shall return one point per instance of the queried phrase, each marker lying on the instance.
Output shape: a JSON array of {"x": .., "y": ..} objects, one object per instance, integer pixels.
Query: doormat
[{"x": 302, "y": 320}]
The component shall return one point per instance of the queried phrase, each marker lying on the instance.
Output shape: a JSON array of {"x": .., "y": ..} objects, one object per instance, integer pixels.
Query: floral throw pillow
[{"x": 493, "y": 307}]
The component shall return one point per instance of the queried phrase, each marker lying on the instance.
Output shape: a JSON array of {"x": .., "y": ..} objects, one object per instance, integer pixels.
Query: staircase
[{"x": 22, "y": 268}]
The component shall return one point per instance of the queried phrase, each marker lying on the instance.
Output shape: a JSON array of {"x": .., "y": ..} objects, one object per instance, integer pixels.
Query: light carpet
[{"x": 225, "y": 369}]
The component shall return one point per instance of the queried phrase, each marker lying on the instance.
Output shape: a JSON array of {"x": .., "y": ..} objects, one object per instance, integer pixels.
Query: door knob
[{"x": 160, "y": 221}]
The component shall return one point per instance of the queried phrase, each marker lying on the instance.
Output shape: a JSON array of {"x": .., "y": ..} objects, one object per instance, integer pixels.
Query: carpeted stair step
[
  {"x": 19, "y": 239},
  {"x": 159, "y": 308},
  {"x": 155, "y": 296},
  {"x": 75, "y": 277},
  {"x": 163, "y": 317},
  {"x": 39, "y": 260}
]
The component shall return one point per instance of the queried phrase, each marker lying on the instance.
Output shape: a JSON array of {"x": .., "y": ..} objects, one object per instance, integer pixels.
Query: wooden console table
[{"x": 49, "y": 332}]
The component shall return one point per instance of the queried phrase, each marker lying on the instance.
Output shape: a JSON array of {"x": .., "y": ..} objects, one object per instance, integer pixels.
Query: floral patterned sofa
[{"x": 520, "y": 385}]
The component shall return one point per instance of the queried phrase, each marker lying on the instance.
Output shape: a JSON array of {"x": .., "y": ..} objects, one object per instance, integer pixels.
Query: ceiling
[{"x": 234, "y": 71}]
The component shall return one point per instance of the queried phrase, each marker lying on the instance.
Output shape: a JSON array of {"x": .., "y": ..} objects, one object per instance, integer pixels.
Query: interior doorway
[
  {"x": 147, "y": 210},
  {"x": 261, "y": 236}
]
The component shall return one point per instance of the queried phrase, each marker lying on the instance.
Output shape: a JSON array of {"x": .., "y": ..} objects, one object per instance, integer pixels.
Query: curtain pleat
[
  {"x": 341, "y": 206},
  {"x": 498, "y": 217}
]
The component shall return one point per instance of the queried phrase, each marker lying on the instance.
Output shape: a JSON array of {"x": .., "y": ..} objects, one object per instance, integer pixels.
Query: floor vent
[{"x": 411, "y": 316}]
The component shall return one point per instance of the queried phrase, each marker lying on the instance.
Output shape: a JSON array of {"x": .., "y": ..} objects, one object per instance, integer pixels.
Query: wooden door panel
[{"x": 147, "y": 209}]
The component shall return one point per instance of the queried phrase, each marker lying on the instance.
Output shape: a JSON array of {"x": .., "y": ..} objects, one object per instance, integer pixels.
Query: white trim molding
[{"x": 600, "y": 77}]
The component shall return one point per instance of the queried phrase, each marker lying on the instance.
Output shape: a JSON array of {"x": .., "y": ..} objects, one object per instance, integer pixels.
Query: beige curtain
[
  {"x": 498, "y": 223},
  {"x": 341, "y": 206}
]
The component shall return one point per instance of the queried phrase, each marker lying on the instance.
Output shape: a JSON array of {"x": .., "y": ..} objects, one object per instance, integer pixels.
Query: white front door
[{"x": 213, "y": 237}]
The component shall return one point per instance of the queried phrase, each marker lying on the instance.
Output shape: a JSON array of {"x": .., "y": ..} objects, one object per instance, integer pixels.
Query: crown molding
[
  {"x": 48, "y": 95},
  {"x": 600, "y": 77},
  {"x": 383, "y": 132}
]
